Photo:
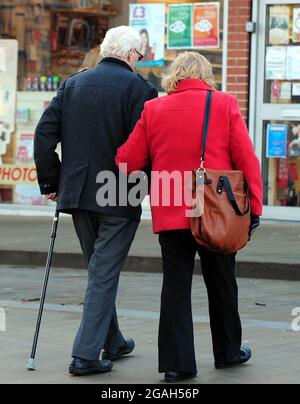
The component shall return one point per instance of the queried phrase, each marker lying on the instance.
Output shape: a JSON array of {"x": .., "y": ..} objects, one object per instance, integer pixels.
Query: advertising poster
[
  {"x": 8, "y": 82},
  {"x": 279, "y": 25},
  {"x": 276, "y": 63},
  {"x": 206, "y": 27},
  {"x": 25, "y": 148},
  {"x": 296, "y": 25},
  {"x": 296, "y": 90},
  {"x": 194, "y": 26},
  {"x": 149, "y": 21},
  {"x": 293, "y": 63},
  {"x": 277, "y": 141},
  {"x": 180, "y": 26},
  {"x": 286, "y": 92}
]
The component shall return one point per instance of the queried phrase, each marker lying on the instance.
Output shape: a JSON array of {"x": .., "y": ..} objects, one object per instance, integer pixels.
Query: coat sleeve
[
  {"x": 244, "y": 157},
  {"x": 135, "y": 152},
  {"x": 47, "y": 137}
]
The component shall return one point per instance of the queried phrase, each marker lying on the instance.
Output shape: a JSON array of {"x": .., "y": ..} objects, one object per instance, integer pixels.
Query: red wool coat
[{"x": 169, "y": 134}]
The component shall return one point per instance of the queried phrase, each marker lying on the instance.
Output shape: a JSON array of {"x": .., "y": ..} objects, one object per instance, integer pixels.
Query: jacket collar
[
  {"x": 192, "y": 84},
  {"x": 117, "y": 62}
]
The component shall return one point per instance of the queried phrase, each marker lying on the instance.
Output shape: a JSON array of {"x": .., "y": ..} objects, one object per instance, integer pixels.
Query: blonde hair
[{"x": 188, "y": 65}]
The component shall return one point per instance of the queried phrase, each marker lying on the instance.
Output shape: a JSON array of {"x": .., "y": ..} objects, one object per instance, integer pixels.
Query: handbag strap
[
  {"x": 226, "y": 183},
  {"x": 206, "y": 125},
  {"x": 224, "y": 180}
]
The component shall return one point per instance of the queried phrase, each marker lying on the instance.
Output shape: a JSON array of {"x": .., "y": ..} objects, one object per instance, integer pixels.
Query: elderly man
[{"x": 92, "y": 115}]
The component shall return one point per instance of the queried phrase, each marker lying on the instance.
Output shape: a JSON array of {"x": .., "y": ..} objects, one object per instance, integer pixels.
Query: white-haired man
[{"x": 92, "y": 115}]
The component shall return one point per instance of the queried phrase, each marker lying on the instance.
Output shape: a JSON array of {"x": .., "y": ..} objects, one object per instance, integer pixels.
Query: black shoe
[
  {"x": 244, "y": 356},
  {"x": 173, "y": 377},
  {"x": 122, "y": 351},
  {"x": 80, "y": 367}
]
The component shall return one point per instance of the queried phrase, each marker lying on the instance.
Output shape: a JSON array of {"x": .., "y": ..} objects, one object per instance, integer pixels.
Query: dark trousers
[
  {"x": 176, "y": 335},
  {"x": 105, "y": 241}
]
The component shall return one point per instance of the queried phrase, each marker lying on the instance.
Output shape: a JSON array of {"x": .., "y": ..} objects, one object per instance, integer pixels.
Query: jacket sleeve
[
  {"x": 244, "y": 157},
  {"x": 47, "y": 137},
  {"x": 135, "y": 151}
]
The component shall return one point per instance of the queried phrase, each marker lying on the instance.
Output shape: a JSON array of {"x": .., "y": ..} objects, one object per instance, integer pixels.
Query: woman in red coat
[{"x": 169, "y": 135}]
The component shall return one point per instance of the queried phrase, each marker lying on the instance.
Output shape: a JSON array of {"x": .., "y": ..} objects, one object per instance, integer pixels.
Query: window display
[
  {"x": 282, "y": 71},
  {"x": 193, "y": 24},
  {"x": 281, "y": 138},
  {"x": 48, "y": 41},
  {"x": 282, "y": 163}
]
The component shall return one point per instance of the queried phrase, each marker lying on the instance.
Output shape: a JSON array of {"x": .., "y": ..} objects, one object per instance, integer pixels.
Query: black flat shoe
[
  {"x": 174, "y": 377},
  {"x": 126, "y": 349},
  {"x": 244, "y": 356},
  {"x": 80, "y": 367}
]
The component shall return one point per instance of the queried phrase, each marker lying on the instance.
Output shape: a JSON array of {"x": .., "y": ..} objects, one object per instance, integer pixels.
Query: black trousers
[{"x": 176, "y": 335}]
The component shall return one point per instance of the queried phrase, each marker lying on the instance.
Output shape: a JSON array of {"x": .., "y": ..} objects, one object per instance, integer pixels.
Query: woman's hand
[{"x": 255, "y": 223}]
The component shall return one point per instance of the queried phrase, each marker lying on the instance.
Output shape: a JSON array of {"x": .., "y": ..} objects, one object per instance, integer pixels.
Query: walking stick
[{"x": 31, "y": 363}]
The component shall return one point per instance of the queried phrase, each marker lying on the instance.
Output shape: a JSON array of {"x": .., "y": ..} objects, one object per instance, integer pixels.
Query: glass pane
[
  {"x": 215, "y": 56},
  {"x": 281, "y": 173},
  {"x": 282, "y": 73}
]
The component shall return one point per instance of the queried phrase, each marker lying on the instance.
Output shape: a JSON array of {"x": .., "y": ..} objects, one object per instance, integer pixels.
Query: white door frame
[{"x": 260, "y": 111}]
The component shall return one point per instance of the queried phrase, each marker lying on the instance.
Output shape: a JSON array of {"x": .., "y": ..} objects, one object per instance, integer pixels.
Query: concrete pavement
[
  {"x": 274, "y": 252},
  {"x": 265, "y": 307}
]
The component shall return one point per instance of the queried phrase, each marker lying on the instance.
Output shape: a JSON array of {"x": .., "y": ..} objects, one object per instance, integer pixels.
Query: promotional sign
[
  {"x": 296, "y": 25},
  {"x": 293, "y": 63},
  {"x": 180, "y": 26},
  {"x": 25, "y": 148},
  {"x": 149, "y": 21},
  {"x": 18, "y": 174},
  {"x": 277, "y": 141},
  {"x": 206, "y": 25},
  {"x": 8, "y": 81},
  {"x": 276, "y": 63},
  {"x": 194, "y": 26},
  {"x": 8, "y": 92},
  {"x": 296, "y": 90},
  {"x": 279, "y": 25}
]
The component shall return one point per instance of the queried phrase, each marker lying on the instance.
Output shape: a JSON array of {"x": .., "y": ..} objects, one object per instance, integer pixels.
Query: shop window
[
  {"x": 214, "y": 52},
  {"x": 282, "y": 81},
  {"x": 282, "y": 164}
]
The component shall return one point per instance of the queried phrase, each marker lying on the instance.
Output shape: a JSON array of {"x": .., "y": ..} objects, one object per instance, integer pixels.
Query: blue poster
[{"x": 277, "y": 141}]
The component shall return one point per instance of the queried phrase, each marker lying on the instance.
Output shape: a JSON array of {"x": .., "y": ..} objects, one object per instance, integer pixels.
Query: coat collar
[
  {"x": 116, "y": 61},
  {"x": 192, "y": 84}
]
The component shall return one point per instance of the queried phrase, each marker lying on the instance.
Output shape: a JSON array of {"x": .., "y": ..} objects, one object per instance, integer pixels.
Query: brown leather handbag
[{"x": 225, "y": 220}]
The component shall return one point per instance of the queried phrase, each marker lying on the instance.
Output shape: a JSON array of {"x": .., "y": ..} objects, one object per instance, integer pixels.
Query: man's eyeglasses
[{"x": 141, "y": 57}]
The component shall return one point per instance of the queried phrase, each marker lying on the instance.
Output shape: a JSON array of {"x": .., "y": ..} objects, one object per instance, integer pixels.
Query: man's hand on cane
[{"x": 52, "y": 197}]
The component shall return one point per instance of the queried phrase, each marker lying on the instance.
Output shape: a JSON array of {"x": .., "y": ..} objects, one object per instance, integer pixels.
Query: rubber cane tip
[{"x": 31, "y": 365}]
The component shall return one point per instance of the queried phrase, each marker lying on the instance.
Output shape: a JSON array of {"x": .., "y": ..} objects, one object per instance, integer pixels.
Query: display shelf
[{"x": 86, "y": 12}]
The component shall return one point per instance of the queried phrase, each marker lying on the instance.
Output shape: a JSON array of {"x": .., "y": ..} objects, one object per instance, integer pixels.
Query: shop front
[
  {"x": 52, "y": 39},
  {"x": 41, "y": 44},
  {"x": 57, "y": 38},
  {"x": 275, "y": 105}
]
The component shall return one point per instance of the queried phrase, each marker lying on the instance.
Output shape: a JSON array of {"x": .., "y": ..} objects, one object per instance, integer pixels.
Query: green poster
[{"x": 180, "y": 26}]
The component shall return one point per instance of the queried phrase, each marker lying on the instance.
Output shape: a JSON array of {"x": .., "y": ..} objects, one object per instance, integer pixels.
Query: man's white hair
[{"x": 119, "y": 41}]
